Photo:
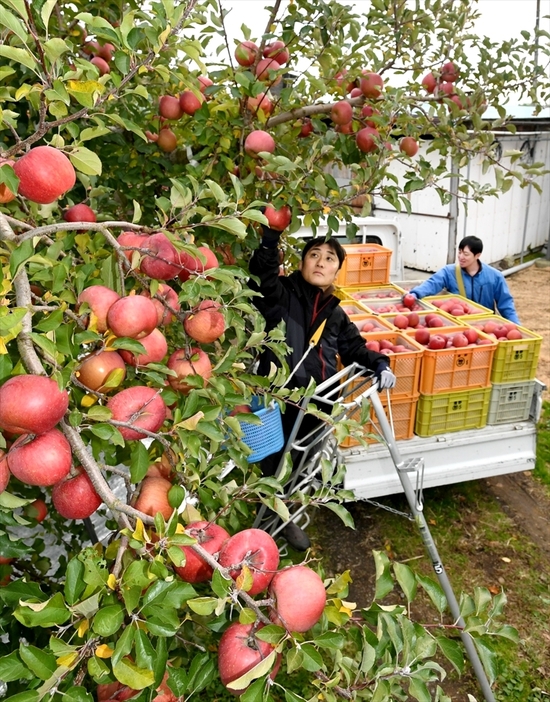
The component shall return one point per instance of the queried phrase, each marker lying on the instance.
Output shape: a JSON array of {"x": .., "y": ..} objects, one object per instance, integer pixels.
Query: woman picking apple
[{"x": 305, "y": 302}]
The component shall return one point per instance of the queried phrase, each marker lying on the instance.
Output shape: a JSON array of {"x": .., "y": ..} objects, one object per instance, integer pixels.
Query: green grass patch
[{"x": 542, "y": 465}]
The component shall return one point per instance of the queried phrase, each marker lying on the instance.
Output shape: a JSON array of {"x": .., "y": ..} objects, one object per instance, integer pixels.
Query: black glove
[
  {"x": 384, "y": 377},
  {"x": 270, "y": 237}
]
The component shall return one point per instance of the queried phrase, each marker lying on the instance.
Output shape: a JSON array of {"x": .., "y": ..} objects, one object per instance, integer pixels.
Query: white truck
[{"x": 446, "y": 458}]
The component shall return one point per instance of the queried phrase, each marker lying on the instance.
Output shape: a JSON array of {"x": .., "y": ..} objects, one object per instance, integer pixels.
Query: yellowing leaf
[
  {"x": 88, "y": 401},
  {"x": 83, "y": 627},
  {"x": 192, "y": 422},
  {"x": 68, "y": 660},
  {"x": 111, "y": 581},
  {"x": 244, "y": 580},
  {"x": 347, "y": 607},
  {"x": 84, "y": 86},
  {"x": 104, "y": 651},
  {"x": 139, "y": 532}
]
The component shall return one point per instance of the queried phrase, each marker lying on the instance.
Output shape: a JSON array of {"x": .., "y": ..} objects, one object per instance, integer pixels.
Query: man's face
[
  {"x": 466, "y": 257},
  {"x": 320, "y": 266}
]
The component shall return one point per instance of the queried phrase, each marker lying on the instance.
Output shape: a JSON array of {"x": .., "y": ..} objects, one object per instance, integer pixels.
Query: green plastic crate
[{"x": 452, "y": 411}]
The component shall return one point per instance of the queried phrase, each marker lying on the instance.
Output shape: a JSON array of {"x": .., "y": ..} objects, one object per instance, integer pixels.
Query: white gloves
[{"x": 386, "y": 379}]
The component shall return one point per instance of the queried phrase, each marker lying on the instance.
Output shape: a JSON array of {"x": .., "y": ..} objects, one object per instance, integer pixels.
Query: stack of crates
[
  {"x": 513, "y": 370},
  {"x": 365, "y": 264},
  {"x": 455, "y": 385}
]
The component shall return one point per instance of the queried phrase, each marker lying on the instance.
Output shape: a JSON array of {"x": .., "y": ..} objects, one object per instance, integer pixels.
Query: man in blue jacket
[{"x": 481, "y": 283}]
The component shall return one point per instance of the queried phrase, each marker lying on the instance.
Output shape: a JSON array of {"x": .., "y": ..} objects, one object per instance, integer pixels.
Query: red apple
[
  {"x": 99, "y": 298},
  {"x": 460, "y": 340},
  {"x": 408, "y": 146},
  {"x": 449, "y": 72},
  {"x": 40, "y": 460},
  {"x": 429, "y": 82},
  {"x": 239, "y": 651},
  {"x": 75, "y": 496},
  {"x": 167, "y": 140},
  {"x": 185, "y": 363},
  {"x": 369, "y": 111},
  {"x": 162, "y": 259},
  {"x": 258, "y": 141},
  {"x": 6, "y": 194},
  {"x": 514, "y": 335},
  {"x": 136, "y": 241},
  {"x": 471, "y": 335},
  {"x": 257, "y": 550},
  {"x": 169, "y": 107},
  {"x": 156, "y": 348},
  {"x": 409, "y": 300},
  {"x": 422, "y": 336},
  {"x": 211, "y": 537},
  {"x": 95, "y": 369},
  {"x": 139, "y": 406},
  {"x": 367, "y": 139},
  {"x": 44, "y": 174},
  {"x": 373, "y": 346},
  {"x": 246, "y": 53},
  {"x": 278, "y": 51},
  {"x": 170, "y": 296},
  {"x": 37, "y": 510},
  {"x": 437, "y": 342},
  {"x": 341, "y": 112},
  {"x": 190, "y": 103},
  {"x": 206, "y": 326},
  {"x": 106, "y": 52},
  {"x": 401, "y": 321},
  {"x": 385, "y": 344},
  {"x": 153, "y": 497},
  {"x": 4, "y": 471},
  {"x": 260, "y": 102},
  {"x": 300, "y": 598},
  {"x": 101, "y": 65},
  {"x": 414, "y": 319},
  {"x": 204, "y": 82},
  {"x": 79, "y": 213},
  {"x": 371, "y": 85},
  {"x": 306, "y": 128},
  {"x": 264, "y": 70},
  {"x": 436, "y": 321},
  {"x": 134, "y": 316},
  {"x": 278, "y": 219},
  {"x": 31, "y": 403}
]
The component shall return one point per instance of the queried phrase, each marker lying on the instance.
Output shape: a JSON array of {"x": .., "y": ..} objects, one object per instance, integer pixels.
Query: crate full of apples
[
  {"x": 405, "y": 357},
  {"x": 458, "y": 358},
  {"x": 517, "y": 352},
  {"x": 458, "y": 306},
  {"x": 373, "y": 292},
  {"x": 395, "y": 306},
  {"x": 423, "y": 318},
  {"x": 370, "y": 322}
]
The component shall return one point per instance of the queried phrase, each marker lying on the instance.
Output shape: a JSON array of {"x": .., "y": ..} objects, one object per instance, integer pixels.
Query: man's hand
[
  {"x": 270, "y": 237},
  {"x": 385, "y": 378}
]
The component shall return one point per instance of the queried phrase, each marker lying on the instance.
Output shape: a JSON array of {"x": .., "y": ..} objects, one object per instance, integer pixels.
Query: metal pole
[{"x": 431, "y": 548}]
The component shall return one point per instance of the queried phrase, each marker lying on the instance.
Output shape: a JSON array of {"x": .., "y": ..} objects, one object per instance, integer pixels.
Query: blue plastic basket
[{"x": 265, "y": 438}]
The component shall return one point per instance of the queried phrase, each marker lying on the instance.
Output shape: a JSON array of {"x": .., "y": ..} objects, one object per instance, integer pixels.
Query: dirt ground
[{"x": 525, "y": 502}]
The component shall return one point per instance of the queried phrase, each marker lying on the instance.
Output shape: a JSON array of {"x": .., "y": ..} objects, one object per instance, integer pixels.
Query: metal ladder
[{"x": 347, "y": 390}]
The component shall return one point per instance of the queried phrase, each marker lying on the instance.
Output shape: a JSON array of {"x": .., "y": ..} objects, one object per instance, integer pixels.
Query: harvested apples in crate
[
  {"x": 458, "y": 306},
  {"x": 395, "y": 306},
  {"x": 422, "y": 318}
]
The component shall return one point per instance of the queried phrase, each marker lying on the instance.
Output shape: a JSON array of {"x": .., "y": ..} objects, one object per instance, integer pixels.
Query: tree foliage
[{"x": 76, "y": 615}]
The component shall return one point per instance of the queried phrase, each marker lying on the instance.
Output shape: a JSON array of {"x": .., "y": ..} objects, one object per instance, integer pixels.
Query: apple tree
[{"x": 141, "y": 148}]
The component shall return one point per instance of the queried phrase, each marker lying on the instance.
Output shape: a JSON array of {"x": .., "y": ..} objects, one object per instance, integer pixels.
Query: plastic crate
[
  {"x": 480, "y": 310},
  {"x": 373, "y": 292},
  {"x": 453, "y": 369},
  {"x": 403, "y": 412},
  {"x": 452, "y": 411},
  {"x": 510, "y": 402},
  {"x": 514, "y": 360},
  {"x": 422, "y": 314},
  {"x": 378, "y": 323},
  {"x": 405, "y": 366},
  {"x": 351, "y": 307},
  {"x": 265, "y": 438},
  {"x": 364, "y": 264},
  {"x": 394, "y": 306}
]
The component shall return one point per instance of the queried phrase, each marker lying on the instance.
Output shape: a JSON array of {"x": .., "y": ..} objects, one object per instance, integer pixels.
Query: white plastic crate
[{"x": 510, "y": 402}]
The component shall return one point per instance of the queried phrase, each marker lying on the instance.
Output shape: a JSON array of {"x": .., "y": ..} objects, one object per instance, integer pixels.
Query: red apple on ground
[
  {"x": 37, "y": 510},
  {"x": 101, "y": 65},
  {"x": 341, "y": 112},
  {"x": 278, "y": 51},
  {"x": 134, "y": 316},
  {"x": 169, "y": 107},
  {"x": 246, "y": 53},
  {"x": 300, "y": 598},
  {"x": 31, "y": 403},
  {"x": 167, "y": 140},
  {"x": 185, "y": 363},
  {"x": 278, "y": 219},
  {"x": 96, "y": 368},
  {"x": 156, "y": 348},
  {"x": 99, "y": 298},
  {"x": 408, "y": 146},
  {"x": 211, "y": 537},
  {"x": 367, "y": 139},
  {"x": 239, "y": 651},
  {"x": 75, "y": 496},
  {"x": 256, "y": 549},
  {"x": 79, "y": 213},
  {"x": 190, "y": 103},
  {"x": 371, "y": 85},
  {"x": 153, "y": 497},
  {"x": 139, "y": 406},
  {"x": 162, "y": 260},
  {"x": 206, "y": 326},
  {"x": 41, "y": 460},
  {"x": 44, "y": 174},
  {"x": 258, "y": 141}
]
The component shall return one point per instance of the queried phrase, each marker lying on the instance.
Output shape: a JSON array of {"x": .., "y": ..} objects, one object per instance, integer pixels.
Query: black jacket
[{"x": 304, "y": 307}]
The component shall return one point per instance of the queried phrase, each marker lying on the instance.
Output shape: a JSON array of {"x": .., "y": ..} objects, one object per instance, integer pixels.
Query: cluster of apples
[
  {"x": 393, "y": 306},
  {"x": 455, "y": 306},
  {"x": 102, "y": 55},
  {"x": 414, "y": 320},
  {"x": 502, "y": 331},
  {"x": 368, "y": 325},
  {"x": 374, "y": 295},
  {"x": 441, "y": 84},
  {"x": 173, "y": 108},
  {"x": 297, "y": 594},
  {"x": 386, "y": 346},
  {"x": 461, "y": 339}
]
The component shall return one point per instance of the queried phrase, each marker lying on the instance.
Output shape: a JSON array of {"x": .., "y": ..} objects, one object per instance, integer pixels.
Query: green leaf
[
  {"x": 85, "y": 161},
  {"x": 11, "y": 319},
  {"x": 108, "y": 620},
  {"x": 13, "y": 24},
  {"x": 74, "y": 584},
  {"x": 54, "y": 48},
  {"x": 342, "y": 512},
  {"x": 21, "y": 56},
  {"x": 216, "y": 191},
  {"x": 39, "y": 662},
  {"x": 203, "y": 605},
  {"x": 482, "y": 598},
  {"x": 294, "y": 659},
  {"x": 44, "y": 614},
  {"x": 254, "y": 692},
  {"x": 220, "y": 585},
  {"x": 312, "y": 659},
  {"x": 419, "y": 691},
  {"x": 30, "y": 696},
  {"x": 488, "y": 658},
  {"x": 139, "y": 461},
  {"x": 434, "y": 591},
  {"x": 7, "y": 176},
  {"x": 453, "y": 652},
  {"x": 11, "y": 668},
  {"x": 93, "y": 133},
  {"x": 77, "y": 694},
  {"x": 232, "y": 225},
  {"x": 258, "y": 671},
  {"x": 129, "y": 674},
  {"x": 19, "y": 255},
  {"x": 384, "y": 582},
  {"x": 407, "y": 581},
  {"x": 330, "y": 640},
  {"x": 46, "y": 11},
  {"x": 271, "y": 633},
  {"x": 201, "y": 672},
  {"x": 45, "y": 344}
]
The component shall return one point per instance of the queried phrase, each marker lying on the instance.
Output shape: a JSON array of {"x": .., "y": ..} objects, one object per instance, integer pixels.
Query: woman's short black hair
[{"x": 332, "y": 243}]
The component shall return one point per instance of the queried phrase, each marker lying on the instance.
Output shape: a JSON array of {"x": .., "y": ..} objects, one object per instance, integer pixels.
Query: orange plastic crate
[
  {"x": 452, "y": 369},
  {"x": 403, "y": 413},
  {"x": 373, "y": 292},
  {"x": 364, "y": 264},
  {"x": 405, "y": 366}
]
